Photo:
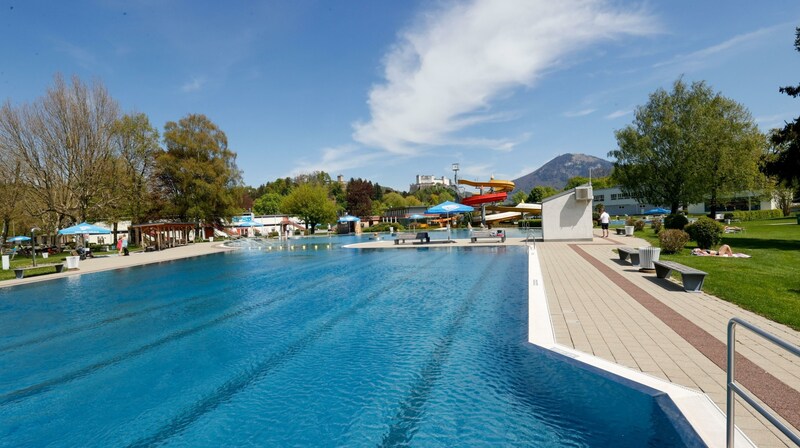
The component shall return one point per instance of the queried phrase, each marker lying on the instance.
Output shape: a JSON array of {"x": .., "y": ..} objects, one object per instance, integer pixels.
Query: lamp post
[
  {"x": 33, "y": 243},
  {"x": 590, "y": 177},
  {"x": 455, "y": 170}
]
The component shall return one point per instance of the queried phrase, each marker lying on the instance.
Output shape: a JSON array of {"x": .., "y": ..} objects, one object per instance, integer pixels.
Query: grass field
[
  {"x": 768, "y": 283},
  {"x": 22, "y": 261}
]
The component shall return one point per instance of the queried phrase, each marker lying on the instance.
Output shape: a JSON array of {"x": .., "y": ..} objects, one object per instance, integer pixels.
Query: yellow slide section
[{"x": 496, "y": 185}]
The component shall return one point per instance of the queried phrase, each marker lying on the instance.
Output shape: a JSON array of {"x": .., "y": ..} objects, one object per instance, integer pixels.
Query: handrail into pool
[{"x": 734, "y": 388}]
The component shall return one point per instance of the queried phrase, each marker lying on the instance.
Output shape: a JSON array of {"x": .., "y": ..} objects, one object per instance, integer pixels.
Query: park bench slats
[
  {"x": 20, "y": 272},
  {"x": 692, "y": 278}
]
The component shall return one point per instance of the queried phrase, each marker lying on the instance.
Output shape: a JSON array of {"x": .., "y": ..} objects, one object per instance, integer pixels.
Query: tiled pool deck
[{"x": 606, "y": 308}]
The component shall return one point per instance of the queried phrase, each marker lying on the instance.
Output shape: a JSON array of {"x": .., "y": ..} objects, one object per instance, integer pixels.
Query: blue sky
[{"x": 385, "y": 89}]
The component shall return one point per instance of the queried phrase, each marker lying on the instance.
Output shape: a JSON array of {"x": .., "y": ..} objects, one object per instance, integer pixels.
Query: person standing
[
  {"x": 119, "y": 246},
  {"x": 604, "y": 219},
  {"x": 125, "y": 246}
]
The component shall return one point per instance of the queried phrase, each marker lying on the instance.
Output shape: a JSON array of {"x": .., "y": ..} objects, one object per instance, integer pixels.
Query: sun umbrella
[
  {"x": 657, "y": 211},
  {"x": 16, "y": 239},
  {"x": 84, "y": 229},
  {"x": 415, "y": 217},
  {"x": 348, "y": 218},
  {"x": 448, "y": 207}
]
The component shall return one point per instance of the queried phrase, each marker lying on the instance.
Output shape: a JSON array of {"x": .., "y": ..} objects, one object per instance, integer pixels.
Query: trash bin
[
  {"x": 73, "y": 261},
  {"x": 629, "y": 230},
  {"x": 647, "y": 255},
  {"x": 6, "y": 262},
  {"x": 45, "y": 254},
  {"x": 211, "y": 239}
]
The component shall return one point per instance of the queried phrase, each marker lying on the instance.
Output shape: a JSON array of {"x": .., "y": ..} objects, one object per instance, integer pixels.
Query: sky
[{"x": 385, "y": 90}]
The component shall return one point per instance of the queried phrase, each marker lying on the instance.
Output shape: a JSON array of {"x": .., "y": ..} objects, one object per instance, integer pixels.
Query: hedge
[{"x": 755, "y": 215}]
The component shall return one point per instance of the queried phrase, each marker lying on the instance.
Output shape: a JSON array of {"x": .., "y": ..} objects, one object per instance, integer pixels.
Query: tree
[
  {"x": 63, "y": 141},
  {"x": 310, "y": 202},
  {"x": 359, "y": 193},
  {"x": 135, "y": 142},
  {"x": 268, "y": 204},
  {"x": 519, "y": 197},
  {"x": 783, "y": 161},
  {"x": 394, "y": 200},
  {"x": 198, "y": 172},
  {"x": 678, "y": 139},
  {"x": 540, "y": 192}
]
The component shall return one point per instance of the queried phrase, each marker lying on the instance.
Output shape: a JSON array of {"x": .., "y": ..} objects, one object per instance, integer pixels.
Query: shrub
[
  {"x": 596, "y": 218},
  {"x": 675, "y": 221},
  {"x": 705, "y": 231},
  {"x": 655, "y": 224},
  {"x": 272, "y": 234},
  {"x": 672, "y": 240},
  {"x": 728, "y": 215},
  {"x": 638, "y": 224}
]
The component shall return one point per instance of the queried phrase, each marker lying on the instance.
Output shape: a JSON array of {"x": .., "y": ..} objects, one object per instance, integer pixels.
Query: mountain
[{"x": 556, "y": 172}]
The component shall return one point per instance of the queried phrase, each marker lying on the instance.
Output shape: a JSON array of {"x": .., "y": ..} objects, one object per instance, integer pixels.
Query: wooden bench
[
  {"x": 20, "y": 272},
  {"x": 626, "y": 252},
  {"x": 620, "y": 230},
  {"x": 692, "y": 278},
  {"x": 421, "y": 236},
  {"x": 487, "y": 234}
]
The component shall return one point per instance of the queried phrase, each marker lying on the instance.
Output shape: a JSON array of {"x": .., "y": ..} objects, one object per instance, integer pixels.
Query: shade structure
[
  {"x": 16, "y": 239},
  {"x": 349, "y": 218},
  {"x": 657, "y": 211},
  {"x": 448, "y": 207},
  {"x": 84, "y": 228}
]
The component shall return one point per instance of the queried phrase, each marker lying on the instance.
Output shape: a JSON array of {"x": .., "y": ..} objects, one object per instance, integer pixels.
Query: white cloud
[
  {"x": 194, "y": 84},
  {"x": 579, "y": 113},
  {"x": 444, "y": 73},
  {"x": 618, "y": 113},
  {"x": 336, "y": 159},
  {"x": 705, "y": 56}
]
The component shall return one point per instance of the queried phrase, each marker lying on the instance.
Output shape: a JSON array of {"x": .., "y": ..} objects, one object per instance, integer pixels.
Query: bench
[
  {"x": 620, "y": 230},
  {"x": 626, "y": 252},
  {"x": 421, "y": 236},
  {"x": 20, "y": 272},
  {"x": 487, "y": 234},
  {"x": 692, "y": 278}
]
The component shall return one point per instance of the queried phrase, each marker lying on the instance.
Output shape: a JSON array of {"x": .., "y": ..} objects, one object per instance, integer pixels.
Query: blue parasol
[
  {"x": 84, "y": 229},
  {"x": 16, "y": 239},
  {"x": 348, "y": 218},
  {"x": 448, "y": 207},
  {"x": 657, "y": 211}
]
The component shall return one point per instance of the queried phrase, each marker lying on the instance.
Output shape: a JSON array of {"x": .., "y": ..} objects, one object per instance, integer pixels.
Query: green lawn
[
  {"x": 22, "y": 261},
  {"x": 768, "y": 283}
]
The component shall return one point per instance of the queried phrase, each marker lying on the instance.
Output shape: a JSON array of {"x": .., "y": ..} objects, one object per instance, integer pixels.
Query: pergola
[{"x": 161, "y": 235}]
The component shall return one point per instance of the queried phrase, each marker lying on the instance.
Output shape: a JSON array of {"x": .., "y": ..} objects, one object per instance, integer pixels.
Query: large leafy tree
[
  {"x": 136, "y": 143},
  {"x": 197, "y": 172},
  {"x": 783, "y": 161},
  {"x": 359, "y": 197},
  {"x": 685, "y": 144},
  {"x": 311, "y": 203},
  {"x": 268, "y": 204}
]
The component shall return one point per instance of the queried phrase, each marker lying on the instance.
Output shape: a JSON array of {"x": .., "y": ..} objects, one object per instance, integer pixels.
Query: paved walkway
[
  {"x": 609, "y": 309},
  {"x": 108, "y": 262}
]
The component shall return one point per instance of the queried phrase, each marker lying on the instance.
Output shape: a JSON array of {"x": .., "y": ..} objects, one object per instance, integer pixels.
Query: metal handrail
[{"x": 734, "y": 388}]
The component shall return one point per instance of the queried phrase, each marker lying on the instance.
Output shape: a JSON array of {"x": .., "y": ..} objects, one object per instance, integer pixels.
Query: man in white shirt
[{"x": 604, "y": 218}]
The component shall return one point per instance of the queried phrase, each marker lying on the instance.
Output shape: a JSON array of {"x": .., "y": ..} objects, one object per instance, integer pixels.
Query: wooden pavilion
[{"x": 161, "y": 235}]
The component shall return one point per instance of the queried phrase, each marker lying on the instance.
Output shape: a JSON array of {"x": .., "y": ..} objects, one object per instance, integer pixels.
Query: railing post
[{"x": 731, "y": 404}]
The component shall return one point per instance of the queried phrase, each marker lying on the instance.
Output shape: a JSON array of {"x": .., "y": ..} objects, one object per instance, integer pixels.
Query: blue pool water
[{"x": 420, "y": 347}]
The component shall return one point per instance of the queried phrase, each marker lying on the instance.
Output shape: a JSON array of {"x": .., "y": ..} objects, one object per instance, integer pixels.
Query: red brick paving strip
[{"x": 772, "y": 391}]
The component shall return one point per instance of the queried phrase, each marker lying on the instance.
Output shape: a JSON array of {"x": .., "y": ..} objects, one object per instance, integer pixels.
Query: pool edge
[{"x": 701, "y": 414}]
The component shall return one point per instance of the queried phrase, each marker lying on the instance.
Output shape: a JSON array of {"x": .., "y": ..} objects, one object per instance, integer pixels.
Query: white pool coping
[{"x": 705, "y": 417}]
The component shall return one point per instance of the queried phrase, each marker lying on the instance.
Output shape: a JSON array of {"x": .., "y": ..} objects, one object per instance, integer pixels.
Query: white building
[
  {"x": 424, "y": 181},
  {"x": 618, "y": 203},
  {"x": 567, "y": 216}
]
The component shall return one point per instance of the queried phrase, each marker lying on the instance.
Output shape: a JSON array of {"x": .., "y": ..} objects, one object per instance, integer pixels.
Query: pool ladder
[{"x": 734, "y": 387}]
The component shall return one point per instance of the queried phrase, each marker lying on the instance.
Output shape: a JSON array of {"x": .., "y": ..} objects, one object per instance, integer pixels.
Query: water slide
[{"x": 498, "y": 191}]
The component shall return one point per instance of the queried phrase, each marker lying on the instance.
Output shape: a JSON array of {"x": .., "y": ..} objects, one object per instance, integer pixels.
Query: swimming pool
[{"x": 423, "y": 347}]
